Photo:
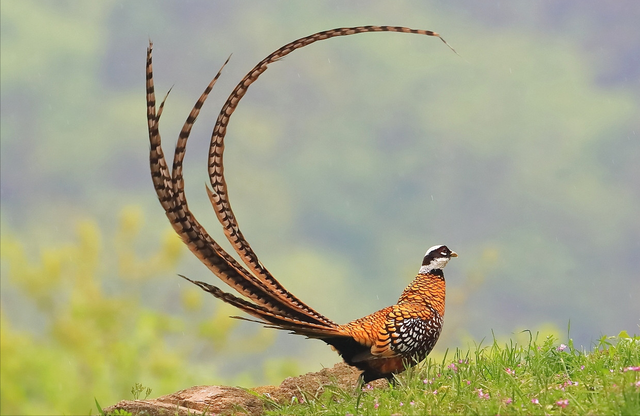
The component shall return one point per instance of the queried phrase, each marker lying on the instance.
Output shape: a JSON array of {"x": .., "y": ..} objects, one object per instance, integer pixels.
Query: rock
[
  {"x": 234, "y": 400},
  {"x": 196, "y": 400},
  {"x": 312, "y": 385}
]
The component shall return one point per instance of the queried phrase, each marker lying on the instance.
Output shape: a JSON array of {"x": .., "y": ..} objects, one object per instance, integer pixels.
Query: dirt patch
[{"x": 234, "y": 400}]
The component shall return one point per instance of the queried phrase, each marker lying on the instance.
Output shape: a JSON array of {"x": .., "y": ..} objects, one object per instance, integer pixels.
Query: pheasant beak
[{"x": 454, "y": 254}]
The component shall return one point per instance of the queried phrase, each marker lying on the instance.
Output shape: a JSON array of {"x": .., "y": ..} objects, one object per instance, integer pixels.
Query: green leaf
[{"x": 99, "y": 407}]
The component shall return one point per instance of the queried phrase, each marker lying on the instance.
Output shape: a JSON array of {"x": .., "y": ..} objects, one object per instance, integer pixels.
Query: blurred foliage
[
  {"x": 100, "y": 342},
  {"x": 345, "y": 161},
  {"x": 352, "y": 155}
]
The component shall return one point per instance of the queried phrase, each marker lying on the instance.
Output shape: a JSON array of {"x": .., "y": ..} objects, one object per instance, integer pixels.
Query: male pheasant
[{"x": 381, "y": 344}]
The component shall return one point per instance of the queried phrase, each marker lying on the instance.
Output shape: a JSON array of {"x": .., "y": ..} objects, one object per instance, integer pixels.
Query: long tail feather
[
  {"x": 265, "y": 316},
  {"x": 273, "y": 303},
  {"x": 219, "y": 195},
  {"x": 171, "y": 196}
]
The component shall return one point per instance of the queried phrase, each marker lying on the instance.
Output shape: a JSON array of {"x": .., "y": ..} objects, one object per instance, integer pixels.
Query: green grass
[{"x": 543, "y": 377}]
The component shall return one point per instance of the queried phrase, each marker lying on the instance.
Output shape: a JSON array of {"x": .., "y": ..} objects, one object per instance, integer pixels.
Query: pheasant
[{"x": 381, "y": 344}]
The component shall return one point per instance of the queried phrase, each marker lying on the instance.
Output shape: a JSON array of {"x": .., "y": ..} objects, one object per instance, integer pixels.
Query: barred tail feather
[
  {"x": 170, "y": 192},
  {"x": 267, "y": 317},
  {"x": 218, "y": 195}
]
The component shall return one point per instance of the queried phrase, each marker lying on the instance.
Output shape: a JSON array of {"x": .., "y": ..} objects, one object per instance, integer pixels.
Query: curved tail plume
[{"x": 380, "y": 344}]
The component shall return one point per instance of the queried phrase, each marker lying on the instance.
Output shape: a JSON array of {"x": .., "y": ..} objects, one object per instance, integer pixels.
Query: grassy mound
[{"x": 543, "y": 377}]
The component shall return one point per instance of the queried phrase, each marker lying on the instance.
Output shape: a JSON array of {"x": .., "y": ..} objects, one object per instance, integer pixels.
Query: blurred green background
[{"x": 345, "y": 162}]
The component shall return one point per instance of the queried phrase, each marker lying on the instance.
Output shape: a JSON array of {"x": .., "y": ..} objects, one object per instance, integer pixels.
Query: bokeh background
[{"x": 345, "y": 162}]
